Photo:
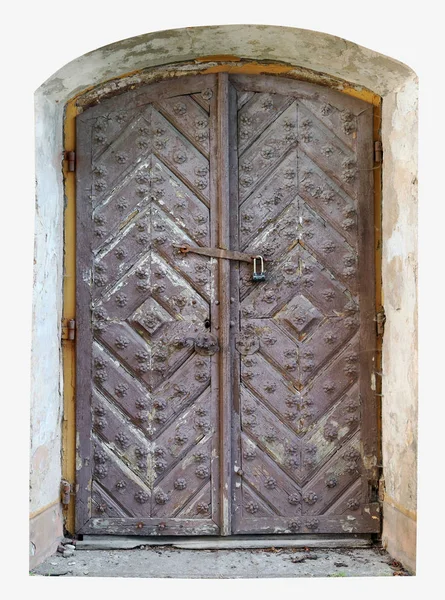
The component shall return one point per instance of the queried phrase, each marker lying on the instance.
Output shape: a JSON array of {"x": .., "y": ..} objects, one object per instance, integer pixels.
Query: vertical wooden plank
[
  {"x": 83, "y": 322},
  {"x": 224, "y": 302},
  {"x": 367, "y": 292},
  {"x": 234, "y": 305},
  {"x": 378, "y": 273},
  {"x": 158, "y": 450},
  {"x": 306, "y": 386},
  {"x": 214, "y": 308}
]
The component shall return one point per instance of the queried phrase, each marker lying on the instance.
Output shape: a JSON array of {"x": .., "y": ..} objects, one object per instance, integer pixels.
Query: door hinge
[
  {"x": 376, "y": 484},
  {"x": 378, "y": 151},
  {"x": 373, "y": 490},
  {"x": 65, "y": 492},
  {"x": 380, "y": 319},
  {"x": 382, "y": 489},
  {"x": 70, "y": 157},
  {"x": 68, "y": 329}
]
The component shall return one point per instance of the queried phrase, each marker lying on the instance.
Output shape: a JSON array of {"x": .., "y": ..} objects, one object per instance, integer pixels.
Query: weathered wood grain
[
  {"x": 147, "y": 396},
  {"x": 267, "y": 424},
  {"x": 305, "y": 436}
]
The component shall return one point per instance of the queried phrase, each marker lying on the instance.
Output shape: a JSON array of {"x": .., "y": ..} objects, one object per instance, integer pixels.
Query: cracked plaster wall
[{"x": 399, "y": 274}]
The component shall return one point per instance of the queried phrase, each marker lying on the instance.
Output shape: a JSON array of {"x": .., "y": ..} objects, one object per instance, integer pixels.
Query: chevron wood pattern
[
  {"x": 153, "y": 399},
  {"x": 280, "y": 397},
  {"x": 299, "y": 435}
]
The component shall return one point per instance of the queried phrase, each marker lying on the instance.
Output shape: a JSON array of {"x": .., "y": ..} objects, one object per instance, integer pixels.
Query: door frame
[{"x": 94, "y": 95}]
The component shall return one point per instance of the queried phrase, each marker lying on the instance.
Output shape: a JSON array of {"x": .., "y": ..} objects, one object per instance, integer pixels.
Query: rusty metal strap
[{"x": 215, "y": 252}]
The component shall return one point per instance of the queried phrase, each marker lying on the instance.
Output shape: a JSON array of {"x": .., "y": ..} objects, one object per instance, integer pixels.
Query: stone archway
[{"x": 292, "y": 52}]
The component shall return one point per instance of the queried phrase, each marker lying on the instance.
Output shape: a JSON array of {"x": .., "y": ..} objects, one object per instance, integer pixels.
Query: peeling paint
[{"x": 369, "y": 461}]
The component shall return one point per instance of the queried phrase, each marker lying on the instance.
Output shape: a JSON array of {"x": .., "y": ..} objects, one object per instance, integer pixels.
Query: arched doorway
[{"x": 294, "y": 53}]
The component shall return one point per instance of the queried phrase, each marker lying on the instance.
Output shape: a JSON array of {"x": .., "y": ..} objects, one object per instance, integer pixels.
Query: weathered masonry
[{"x": 225, "y": 268}]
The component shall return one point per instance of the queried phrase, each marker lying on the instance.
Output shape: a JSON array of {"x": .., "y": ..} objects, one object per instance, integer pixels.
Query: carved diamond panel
[{"x": 153, "y": 397}]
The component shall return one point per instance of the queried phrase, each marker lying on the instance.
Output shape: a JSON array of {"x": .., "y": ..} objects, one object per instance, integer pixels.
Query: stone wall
[{"x": 399, "y": 275}]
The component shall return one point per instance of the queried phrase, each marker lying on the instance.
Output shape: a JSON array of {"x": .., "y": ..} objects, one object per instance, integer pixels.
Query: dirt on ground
[{"x": 168, "y": 562}]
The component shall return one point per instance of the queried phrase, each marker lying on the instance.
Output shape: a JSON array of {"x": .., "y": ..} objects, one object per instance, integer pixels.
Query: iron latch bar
[{"x": 215, "y": 252}]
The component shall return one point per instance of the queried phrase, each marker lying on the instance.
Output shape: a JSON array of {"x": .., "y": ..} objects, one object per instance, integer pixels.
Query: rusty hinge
[
  {"x": 382, "y": 489},
  {"x": 66, "y": 492},
  {"x": 373, "y": 487},
  {"x": 378, "y": 151},
  {"x": 380, "y": 319},
  {"x": 68, "y": 329},
  {"x": 70, "y": 157}
]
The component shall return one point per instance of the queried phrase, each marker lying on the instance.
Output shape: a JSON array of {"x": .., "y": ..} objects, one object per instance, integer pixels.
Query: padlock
[{"x": 258, "y": 276}]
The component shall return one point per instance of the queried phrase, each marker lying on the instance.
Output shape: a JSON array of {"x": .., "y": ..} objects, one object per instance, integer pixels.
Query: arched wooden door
[{"x": 207, "y": 402}]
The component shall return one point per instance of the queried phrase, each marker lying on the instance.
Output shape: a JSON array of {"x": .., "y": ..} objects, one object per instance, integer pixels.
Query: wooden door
[
  {"x": 305, "y": 430},
  {"x": 208, "y": 403},
  {"x": 147, "y": 383}
]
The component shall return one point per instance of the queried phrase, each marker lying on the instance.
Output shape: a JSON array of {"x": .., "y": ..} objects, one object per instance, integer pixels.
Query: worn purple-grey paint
[{"x": 268, "y": 167}]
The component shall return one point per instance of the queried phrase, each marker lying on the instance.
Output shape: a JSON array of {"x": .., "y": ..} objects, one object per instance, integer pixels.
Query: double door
[{"x": 210, "y": 401}]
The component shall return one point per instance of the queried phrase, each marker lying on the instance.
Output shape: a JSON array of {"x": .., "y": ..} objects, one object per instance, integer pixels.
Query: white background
[{"x": 40, "y": 37}]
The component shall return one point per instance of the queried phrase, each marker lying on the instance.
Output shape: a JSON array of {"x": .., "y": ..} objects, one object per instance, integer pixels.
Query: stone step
[{"x": 106, "y": 542}]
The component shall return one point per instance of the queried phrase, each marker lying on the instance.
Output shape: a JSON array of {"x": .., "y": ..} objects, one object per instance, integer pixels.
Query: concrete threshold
[
  {"x": 233, "y": 563},
  {"x": 105, "y": 542}
]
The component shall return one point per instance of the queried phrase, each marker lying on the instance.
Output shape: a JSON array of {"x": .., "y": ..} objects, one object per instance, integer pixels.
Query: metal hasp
[{"x": 258, "y": 276}]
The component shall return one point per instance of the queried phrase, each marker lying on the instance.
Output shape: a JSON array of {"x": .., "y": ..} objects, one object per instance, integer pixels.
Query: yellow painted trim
[
  {"x": 253, "y": 68},
  {"x": 411, "y": 514},
  {"x": 69, "y": 312},
  {"x": 363, "y": 94},
  {"x": 69, "y": 281},
  {"x": 218, "y": 58},
  {"x": 38, "y": 512},
  {"x": 378, "y": 272}
]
